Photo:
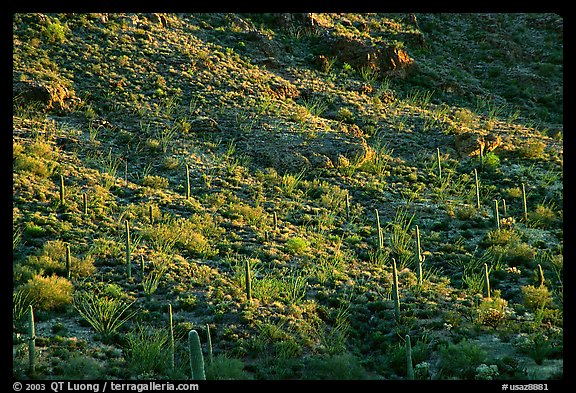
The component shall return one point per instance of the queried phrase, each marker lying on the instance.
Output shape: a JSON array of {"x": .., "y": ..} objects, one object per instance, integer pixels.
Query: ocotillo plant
[
  {"x": 171, "y": 337},
  {"x": 68, "y": 262},
  {"x": 31, "y": 342},
  {"x": 487, "y": 280},
  {"x": 395, "y": 293},
  {"x": 209, "y": 340},
  {"x": 420, "y": 258},
  {"x": 248, "y": 279},
  {"x": 128, "y": 265},
  {"x": 477, "y": 188},
  {"x": 62, "y": 189},
  {"x": 187, "y": 182},
  {"x": 409, "y": 365},
  {"x": 196, "y": 356}
]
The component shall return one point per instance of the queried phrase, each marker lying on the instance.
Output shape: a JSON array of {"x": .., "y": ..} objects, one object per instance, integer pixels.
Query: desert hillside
[{"x": 312, "y": 196}]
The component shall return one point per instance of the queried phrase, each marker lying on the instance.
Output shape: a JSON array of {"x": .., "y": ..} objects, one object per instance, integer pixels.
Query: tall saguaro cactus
[
  {"x": 172, "y": 366},
  {"x": 477, "y": 188},
  {"x": 419, "y": 256},
  {"x": 248, "y": 279},
  {"x": 68, "y": 262},
  {"x": 62, "y": 194},
  {"x": 31, "y": 342},
  {"x": 524, "y": 202},
  {"x": 128, "y": 264},
  {"x": 487, "y": 280},
  {"x": 395, "y": 293},
  {"x": 209, "y": 340},
  {"x": 196, "y": 356},
  {"x": 409, "y": 365},
  {"x": 187, "y": 182},
  {"x": 380, "y": 234}
]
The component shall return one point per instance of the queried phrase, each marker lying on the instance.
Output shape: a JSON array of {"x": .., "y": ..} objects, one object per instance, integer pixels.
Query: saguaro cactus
[
  {"x": 524, "y": 202},
  {"x": 496, "y": 215},
  {"x": 248, "y": 279},
  {"x": 62, "y": 189},
  {"x": 209, "y": 340},
  {"x": 409, "y": 365},
  {"x": 420, "y": 258},
  {"x": 187, "y": 182},
  {"x": 380, "y": 235},
  {"x": 196, "y": 356},
  {"x": 541, "y": 275},
  {"x": 487, "y": 280},
  {"x": 477, "y": 188},
  {"x": 85, "y": 200},
  {"x": 347, "y": 206},
  {"x": 395, "y": 293},
  {"x": 68, "y": 263},
  {"x": 128, "y": 264},
  {"x": 31, "y": 342},
  {"x": 171, "y": 337},
  {"x": 439, "y": 163}
]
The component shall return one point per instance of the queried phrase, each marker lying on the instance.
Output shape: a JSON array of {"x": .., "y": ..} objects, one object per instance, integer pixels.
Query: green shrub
[
  {"x": 343, "y": 366},
  {"x": 536, "y": 297},
  {"x": 224, "y": 368},
  {"x": 532, "y": 149},
  {"x": 460, "y": 360},
  {"x": 36, "y": 166},
  {"x": 146, "y": 352},
  {"x": 296, "y": 245},
  {"x": 157, "y": 182},
  {"x": 49, "y": 293}
]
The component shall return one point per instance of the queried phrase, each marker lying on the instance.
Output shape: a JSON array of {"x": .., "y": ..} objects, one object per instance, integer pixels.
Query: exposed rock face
[
  {"x": 361, "y": 54},
  {"x": 293, "y": 151},
  {"x": 51, "y": 96},
  {"x": 473, "y": 144}
]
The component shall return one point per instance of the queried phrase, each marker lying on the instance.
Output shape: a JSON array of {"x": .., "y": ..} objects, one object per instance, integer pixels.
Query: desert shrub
[
  {"x": 343, "y": 366},
  {"x": 146, "y": 353},
  {"x": 157, "y": 182},
  {"x": 224, "y": 368},
  {"x": 542, "y": 216},
  {"x": 536, "y": 297},
  {"x": 36, "y": 166},
  {"x": 49, "y": 293},
  {"x": 532, "y": 149},
  {"x": 296, "y": 245},
  {"x": 459, "y": 361},
  {"x": 491, "y": 312}
]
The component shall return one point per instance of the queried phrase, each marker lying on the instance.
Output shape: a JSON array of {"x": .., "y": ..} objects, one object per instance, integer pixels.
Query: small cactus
[
  {"x": 419, "y": 256},
  {"x": 85, "y": 200},
  {"x": 541, "y": 275},
  {"x": 196, "y": 356},
  {"x": 496, "y": 215},
  {"x": 380, "y": 234}
]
